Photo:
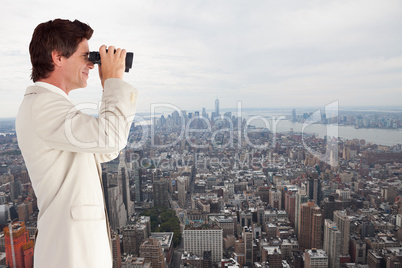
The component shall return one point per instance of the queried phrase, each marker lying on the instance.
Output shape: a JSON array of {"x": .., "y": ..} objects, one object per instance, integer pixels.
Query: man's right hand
[{"x": 113, "y": 64}]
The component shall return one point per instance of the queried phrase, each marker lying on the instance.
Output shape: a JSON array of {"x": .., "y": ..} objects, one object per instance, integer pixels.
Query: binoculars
[{"x": 95, "y": 58}]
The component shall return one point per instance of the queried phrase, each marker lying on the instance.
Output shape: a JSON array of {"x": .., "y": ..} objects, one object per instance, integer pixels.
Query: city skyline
[{"x": 267, "y": 54}]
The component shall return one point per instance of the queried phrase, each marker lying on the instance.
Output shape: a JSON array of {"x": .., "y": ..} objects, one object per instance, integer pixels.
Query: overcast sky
[{"x": 262, "y": 53}]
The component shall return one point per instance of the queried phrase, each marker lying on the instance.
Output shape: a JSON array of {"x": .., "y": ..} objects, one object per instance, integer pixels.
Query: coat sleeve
[{"x": 62, "y": 126}]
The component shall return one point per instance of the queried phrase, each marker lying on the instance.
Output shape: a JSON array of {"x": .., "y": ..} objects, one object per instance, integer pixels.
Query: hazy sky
[{"x": 262, "y": 53}]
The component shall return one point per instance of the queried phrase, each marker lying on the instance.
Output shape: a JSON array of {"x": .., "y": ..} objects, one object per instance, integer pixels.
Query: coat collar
[{"x": 48, "y": 87}]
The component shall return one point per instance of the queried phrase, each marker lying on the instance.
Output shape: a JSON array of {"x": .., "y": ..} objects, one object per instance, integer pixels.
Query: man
[{"x": 63, "y": 148}]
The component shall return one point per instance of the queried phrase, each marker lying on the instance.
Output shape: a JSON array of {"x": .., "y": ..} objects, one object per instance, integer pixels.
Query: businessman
[{"x": 63, "y": 148}]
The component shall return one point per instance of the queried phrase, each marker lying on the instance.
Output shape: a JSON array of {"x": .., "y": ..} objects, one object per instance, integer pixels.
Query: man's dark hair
[{"x": 60, "y": 35}]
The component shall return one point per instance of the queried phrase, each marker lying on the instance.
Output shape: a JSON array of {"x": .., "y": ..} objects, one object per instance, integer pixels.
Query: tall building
[
  {"x": 310, "y": 226},
  {"x": 226, "y": 223},
  {"x": 290, "y": 205},
  {"x": 329, "y": 205},
  {"x": 332, "y": 243},
  {"x": 15, "y": 189},
  {"x": 124, "y": 182},
  {"x": 152, "y": 251},
  {"x": 358, "y": 250},
  {"x": 248, "y": 244},
  {"x": 294, "y": 119},
  {"x": 166, "y": 240},
  {"x": 204, "y": 112},
  {"x": 23, "y": 246},
  {"x": 204, "y": 237},
  {"x": 301, "y": 198},
  {"x": 182, "y": 189},
  {"x": 25, "y": 210},
  {"x": 275, "y": 198},
  {"x": 314, "y": 189},
  {"x": 316, "y": 258},
  {"x": 273, "y": 255},
  {"x": 115, "y": 240},
  {"x": 160, "y": 193},
  {"x": 137, "y": 182},
  {"x": 342, "y": 221},
  {"x": 135, "y": 234},
  {"x": 116, "y": 210},
  {"x": 217, "y": 107},
  {"x": 263, "y": 193}
]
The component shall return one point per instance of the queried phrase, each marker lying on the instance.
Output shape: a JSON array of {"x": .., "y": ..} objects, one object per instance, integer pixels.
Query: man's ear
[{"x": 56, "y": 57}]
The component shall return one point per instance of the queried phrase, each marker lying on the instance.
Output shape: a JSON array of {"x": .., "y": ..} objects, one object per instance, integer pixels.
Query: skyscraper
[
  {"x": 115, "y": 240},
  {"x": 137, "y": 182},
  {"x": 316, "y": 258},
  {"x": 23, "y": 246},
  {"x": 275, "y": 198},
  {"x": 152, "y": 251},
  {"x": 310, "y": 226},
  {"x": 182, "y": 183},
  {"x": 135, "y": 234},
  {"x": 124, "y": 181},
  {"x": 160, "y": 193},
  {"x": 314, "y": 189},
  {"x": 198, "y": 239},
  {"x": 294, "y": 115},
  {"x": 342, "y": 221},
  {"x": 290, "y": 204},
  {"x": 332, "y": 243},
  {"x": 204, "y": 112},
  {"x": 116, "y": 210},
  {"x": 216, "y": 107},
  {"x": 248, "y": 244},
  {"x": 301, "y": 198}
]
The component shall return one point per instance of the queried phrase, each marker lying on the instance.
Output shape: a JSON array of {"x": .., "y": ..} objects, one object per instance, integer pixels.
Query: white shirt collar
[{"x": 53, "y": 89}]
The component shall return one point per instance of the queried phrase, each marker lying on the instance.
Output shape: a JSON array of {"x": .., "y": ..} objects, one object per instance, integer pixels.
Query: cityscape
[{"x": 213, "y": 188}]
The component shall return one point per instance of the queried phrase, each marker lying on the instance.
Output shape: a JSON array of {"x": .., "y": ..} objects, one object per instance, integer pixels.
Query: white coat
[{"x": 63, "y": 149}]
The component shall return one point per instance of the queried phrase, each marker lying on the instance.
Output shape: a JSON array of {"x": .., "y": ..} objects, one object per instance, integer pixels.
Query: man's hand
[{"x": 113, "y": 64}]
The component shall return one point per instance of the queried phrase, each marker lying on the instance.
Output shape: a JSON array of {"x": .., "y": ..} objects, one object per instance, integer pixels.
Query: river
[{"x": 375, "y": 135}]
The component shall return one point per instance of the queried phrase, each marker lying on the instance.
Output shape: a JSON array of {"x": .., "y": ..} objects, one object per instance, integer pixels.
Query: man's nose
[{"x": 90, "y": 65}]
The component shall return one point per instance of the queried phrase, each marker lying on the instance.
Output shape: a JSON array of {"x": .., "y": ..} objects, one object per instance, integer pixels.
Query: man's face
[{"x": 76, "y": 67}]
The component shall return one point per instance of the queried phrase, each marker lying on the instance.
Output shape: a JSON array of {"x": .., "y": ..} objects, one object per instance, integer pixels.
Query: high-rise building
[
  {"x": 19, "y": 250},
  {"x": 217, "y": 107},
  {"x": 310, "y": 226},
  {"x": 316, "y": 258},
  {"x": 204, "y": 112},
  {"x": 314, "y": 189},
  {"x": 273, "y": 255},
  {"x": 329, "y": 205},
  {"x": 137, "y": 182},
  {"x": 152, "y": 251},
  {"x": 130, "y": 240},
  {"x": 115, "y": 240},
  {"x": 290, "y": 204},
  {"x": 182, "y": 182},
  {"x": 124, "y": 182},
  {"x": 358, "y": 250},
  {"x": 332, "y": 243},
  {"x": 23, "y": 213},
  {"x": 160, "y": 193},
  {"x": 116, "y": 210},
  {"x": 248, "y": 244},
  {"x": 135, "y": 234},
  {"x": 263, "y": 193},
  {"x": 226, "y": 223},
  {"x": 275, "y": 198},
  {"x": 342, "y": 221},
  {"x": 204, "y": 237},
  {"x": 294, "y": 119},
  {"x": 301, "y": 198},
  {"x": 166, "y": 240}
]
